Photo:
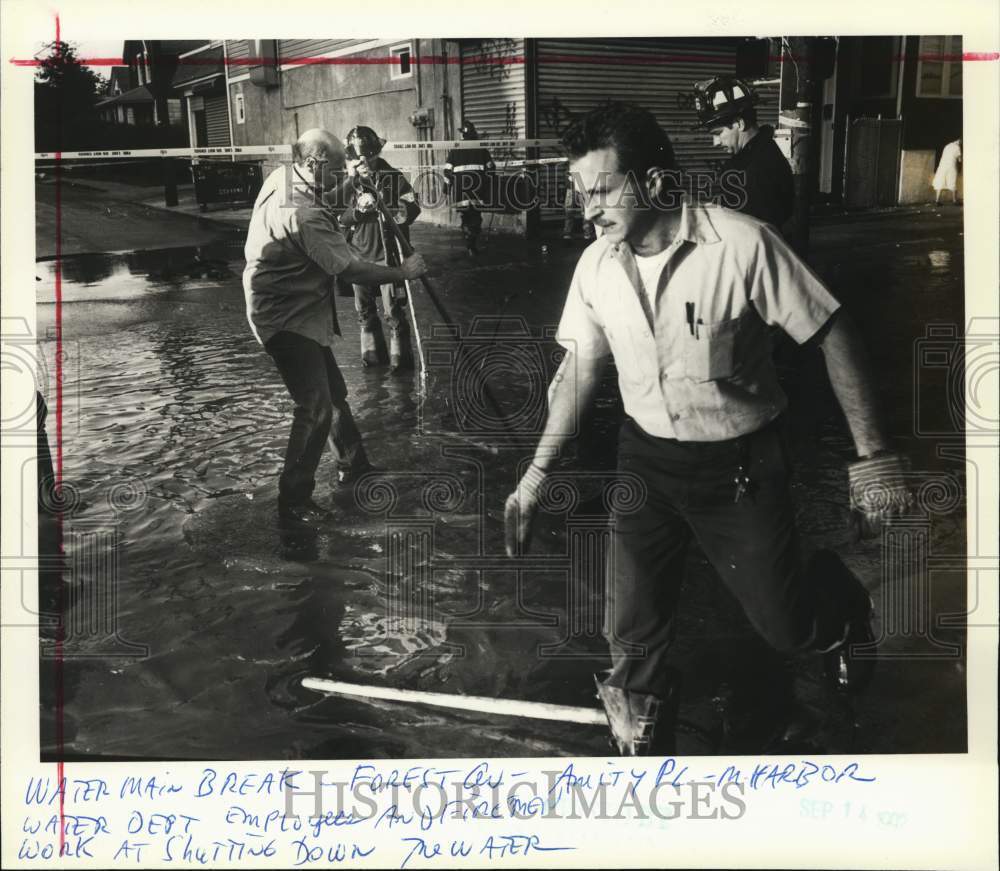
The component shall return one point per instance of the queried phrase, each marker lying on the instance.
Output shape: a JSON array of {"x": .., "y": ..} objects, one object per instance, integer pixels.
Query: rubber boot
[
  {"x": 641, "y": 724},
  {"x": 400, "y": 351},
  {"x": 850, "y": 665},
  {"x": 373, "y": 351},
  {"x": 470, "y": 235}
]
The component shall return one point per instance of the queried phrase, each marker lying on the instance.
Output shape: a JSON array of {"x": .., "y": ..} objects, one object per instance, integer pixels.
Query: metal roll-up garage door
[
  {"x": 767, "y": 106},
  {"x": 217, "y": 120},
  {"x": 493, "y": 99},
  {"x": 493, "y": 87},
  {"x": 575, "y": 75}
]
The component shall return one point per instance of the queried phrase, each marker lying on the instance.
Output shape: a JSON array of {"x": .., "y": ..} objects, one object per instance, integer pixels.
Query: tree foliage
[{"x": 66, "y": 96}]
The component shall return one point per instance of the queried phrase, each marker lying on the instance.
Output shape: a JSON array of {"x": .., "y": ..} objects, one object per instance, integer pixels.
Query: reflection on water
[
  {"x": 167, "y": 392},
  {"x": 169, "y": 400},
  {"x": 135, "y": 274},
  {"x": 940, "y": 260}
]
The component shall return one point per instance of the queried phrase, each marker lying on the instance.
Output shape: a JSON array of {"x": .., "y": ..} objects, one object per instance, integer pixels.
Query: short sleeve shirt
[
  {"x": 293, "y": 249},
  {"x": 696, "y": 364}
]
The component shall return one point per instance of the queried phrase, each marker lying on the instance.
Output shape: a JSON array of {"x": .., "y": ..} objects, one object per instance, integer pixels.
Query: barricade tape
[
  {"x": 226, "y": 151},
  {"x": 134, "y": 157},
  {"x": 217, "y": 151},
  {"x": 255, "y": 150},
  {"x": 500, "y": 164}
]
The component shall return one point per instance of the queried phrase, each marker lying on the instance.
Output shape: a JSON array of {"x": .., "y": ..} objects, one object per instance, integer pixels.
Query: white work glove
[
  {"x": 879, "y": 491},
  {"x": 365, "y": 203},
  {"x": 519, "y": 511},
  {"x": 358, "y": 167}
]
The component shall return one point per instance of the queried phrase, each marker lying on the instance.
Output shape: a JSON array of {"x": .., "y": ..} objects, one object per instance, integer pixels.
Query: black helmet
[
  {"x": 363, "y": 142},
  {"x": 468, "y": 130},
  {"x": 722, "y": 100}
]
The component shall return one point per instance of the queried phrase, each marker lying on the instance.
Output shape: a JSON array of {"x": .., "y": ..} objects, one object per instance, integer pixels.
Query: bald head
[
  {"x": 319, "y": 144},
  {"x": 321, "y": 157}
]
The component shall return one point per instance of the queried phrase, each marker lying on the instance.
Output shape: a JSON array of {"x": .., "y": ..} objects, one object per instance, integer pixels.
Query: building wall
[
  {"x": 336, "y": 95},
  {"x": 928, "y": 122},
  {"x": 339, "y": 94},
  {"x": 854, "y": 99}
]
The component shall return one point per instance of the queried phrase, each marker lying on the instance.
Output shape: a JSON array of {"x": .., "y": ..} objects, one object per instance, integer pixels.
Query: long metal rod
[
  {"x": 407, "y": 249},
  {"x": 416, "y": 326},
  {"x": 479, "y": 704}
]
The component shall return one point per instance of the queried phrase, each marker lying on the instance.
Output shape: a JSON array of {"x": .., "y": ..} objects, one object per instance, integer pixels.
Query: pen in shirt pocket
[{"x": 689, "y": 309}]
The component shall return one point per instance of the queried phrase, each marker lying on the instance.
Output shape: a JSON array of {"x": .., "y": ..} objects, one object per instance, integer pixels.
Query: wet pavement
[
  {"x": 96, "y": 220},
  {"x": 175, "y": 423}
]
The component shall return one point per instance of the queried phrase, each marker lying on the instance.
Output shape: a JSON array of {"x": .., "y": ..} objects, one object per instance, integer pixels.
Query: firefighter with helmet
[
  {"x": 468, "y": 175},
  {"x": 757, "y": 179},
  {"x": 370, "y": 175}
]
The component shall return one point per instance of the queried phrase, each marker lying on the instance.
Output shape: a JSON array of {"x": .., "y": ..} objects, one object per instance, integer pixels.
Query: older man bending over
[{"x": 294, "y": 248}]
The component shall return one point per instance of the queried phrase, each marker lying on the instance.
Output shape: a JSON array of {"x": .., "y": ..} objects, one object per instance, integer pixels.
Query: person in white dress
[{"x": 946, "y": 177}]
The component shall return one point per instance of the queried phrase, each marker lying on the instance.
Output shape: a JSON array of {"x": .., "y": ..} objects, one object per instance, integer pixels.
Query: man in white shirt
[{"x": 682, "y": 297}]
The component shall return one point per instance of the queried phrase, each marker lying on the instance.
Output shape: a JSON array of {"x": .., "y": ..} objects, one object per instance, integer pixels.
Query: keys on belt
[
  {"x": 742, "y": 479},
  {"x": 742, "y": 482}
]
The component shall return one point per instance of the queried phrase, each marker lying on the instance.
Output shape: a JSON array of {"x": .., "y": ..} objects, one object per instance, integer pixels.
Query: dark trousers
[
  {"x": 366, "y": 305},
  {"x": 47, "y": 497},
  {"x": 752, "y": 543},
  {"x": 316, "y": 386},
  {"x": 472, "y": 223}
]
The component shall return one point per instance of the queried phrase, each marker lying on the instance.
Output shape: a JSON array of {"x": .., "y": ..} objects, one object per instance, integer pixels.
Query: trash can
[{"x": 227, "y": 183}]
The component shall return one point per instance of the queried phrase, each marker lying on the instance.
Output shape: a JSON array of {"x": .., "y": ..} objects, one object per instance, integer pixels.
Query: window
[
  {"x": 174, "y": 113},
  {"x": 240, "y": 110},
  {"x": 939, "y": 69},
  {"x": 400, "y": 67}
]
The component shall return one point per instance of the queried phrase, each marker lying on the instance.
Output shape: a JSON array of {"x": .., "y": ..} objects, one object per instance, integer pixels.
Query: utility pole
[
  {"x": 798, "y": 87},
  {"x": 159, "y": 85}
]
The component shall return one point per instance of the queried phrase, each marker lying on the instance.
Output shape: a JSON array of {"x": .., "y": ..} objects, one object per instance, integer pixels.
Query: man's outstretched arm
[
  {"x": 570, "y": 394},
  {"x": 878, "y": 485},
  {"x": 366, "y": 272},
  {"x": 849, "y": 369}
]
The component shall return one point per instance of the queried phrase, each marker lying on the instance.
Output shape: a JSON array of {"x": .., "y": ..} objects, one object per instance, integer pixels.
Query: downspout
[
  {"x": 229, "y": 101},
  {"x": 421, "y": 156},
  {"x": 899, "y": 115},
  {"x": 902, "y": 71},
  {"x": 445, "y": 95},
  {"x": 149, "y": 81},
  {"x": 420, "y": 99}
]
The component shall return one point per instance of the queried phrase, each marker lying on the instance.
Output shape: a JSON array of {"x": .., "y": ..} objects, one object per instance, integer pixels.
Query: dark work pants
[
  {"x": 752, "y": 544},
  {"x": 47, "y": 497},
  {"x": 316, "y": 386},
  {"x": 472, "y": 222}
]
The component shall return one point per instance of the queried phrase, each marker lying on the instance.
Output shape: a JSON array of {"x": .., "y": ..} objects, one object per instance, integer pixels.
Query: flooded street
[{"x": 175, "y": 423}]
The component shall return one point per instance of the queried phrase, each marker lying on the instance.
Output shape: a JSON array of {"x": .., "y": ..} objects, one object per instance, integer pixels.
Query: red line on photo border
[
  {"x": 60, "y": 606},
  {"x": 513, "y": 60}
]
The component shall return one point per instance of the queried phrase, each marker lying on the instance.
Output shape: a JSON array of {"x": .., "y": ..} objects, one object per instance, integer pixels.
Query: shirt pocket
[{"x": 709, "y": 355}]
